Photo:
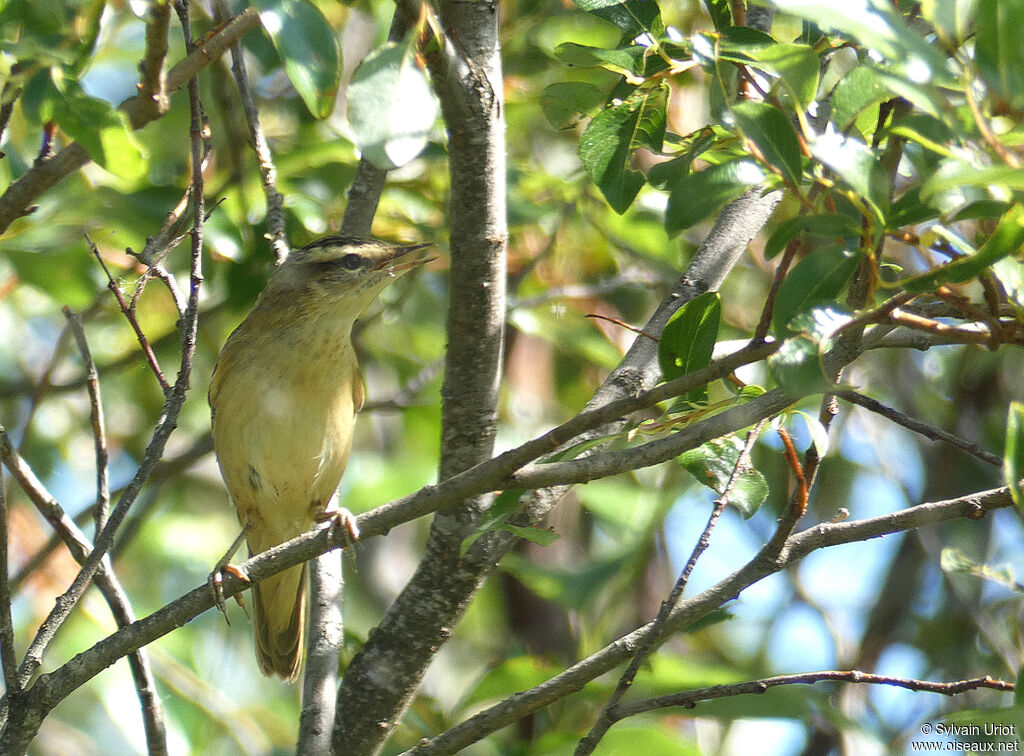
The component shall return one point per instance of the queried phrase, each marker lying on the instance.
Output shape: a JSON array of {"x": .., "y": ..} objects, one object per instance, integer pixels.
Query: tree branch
[
  {"x": 919, "y": 426},
  {"x": 972, "y": 506},
  {"x": 46, "y": 172},
  {"x": 370, "y": 703},
  {"x": 690, "y": 699}
]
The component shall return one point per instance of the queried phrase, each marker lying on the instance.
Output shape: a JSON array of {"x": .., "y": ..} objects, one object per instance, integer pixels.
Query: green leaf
[
  {"x": 956, "y": 174},
  {"x": 1013, "y": 453},
  {"x": 494, "y": 518},
  {"x": 927, "y": 131},
  {"x": 688, "y": 340},
  {"x": 564, "y": 103},
  {"x": 713, "y": 463},
  {"x": 607, "y": 146},
  {"x": 797, "y": 367},
  {"x": 999, "y": 48},
  {"x": 572, "y": 588},
  {"x": 816, "y": 279},
  {"x": 877, "y": 25},
  {"x": 391, "y": 105},
  {"x": 771, "y": 131},
  {"x": 64, "y": 275},
  {"x": 826, "y": 225},
  {"x": 98, "y": 126},
  {"x": 1010, "y": 273},
  {"x": 632, "y": 16},
  {"x": 819, "y": 433},
  {"x": 720, "y": 12},
  {"x": 696, "y": 196},
  {"x": 624, "y": 60},
  {"x": 797, "y": 67},
  {"x": 953, "y": 19},
  {"x": 957, "y": 562},
  {"x": 1006, "y": 239},
  {"x": 508, "y": 677},
  {"x": 857, "y": 91},
  {"x": 645, "y": 740},
  {"x": 308, "y": 49},
  {"x": 858, "y": 166}
]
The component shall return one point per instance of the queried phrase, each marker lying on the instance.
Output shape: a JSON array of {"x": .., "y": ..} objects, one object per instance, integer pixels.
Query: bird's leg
[{"x": 216, "y": 579}]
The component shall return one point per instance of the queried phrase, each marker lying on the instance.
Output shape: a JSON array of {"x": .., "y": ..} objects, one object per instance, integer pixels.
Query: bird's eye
[{"x": 351, "y": 261}]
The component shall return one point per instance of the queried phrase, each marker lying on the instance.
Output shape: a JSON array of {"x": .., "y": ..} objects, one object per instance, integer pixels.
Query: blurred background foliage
[{"x": 885, "y": 606}]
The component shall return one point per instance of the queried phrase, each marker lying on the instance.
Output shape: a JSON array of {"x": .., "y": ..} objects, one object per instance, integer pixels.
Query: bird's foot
[
  {"x": 216, "y": 578},
  {"x": 341, "y": 518}
]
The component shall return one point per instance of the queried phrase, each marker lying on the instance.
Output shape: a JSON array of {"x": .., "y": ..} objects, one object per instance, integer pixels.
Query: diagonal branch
[
  {"x": 972, "y": 506},
  {"x": 46, "y": 172},
  {"x": 919, "y": 426}
]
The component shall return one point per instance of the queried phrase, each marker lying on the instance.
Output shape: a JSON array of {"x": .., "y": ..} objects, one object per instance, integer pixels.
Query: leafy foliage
[{"x": 892, "y": 266}]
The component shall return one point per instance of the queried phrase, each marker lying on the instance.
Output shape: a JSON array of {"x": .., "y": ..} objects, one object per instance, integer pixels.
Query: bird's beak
[{"x": 405, "y": 259}]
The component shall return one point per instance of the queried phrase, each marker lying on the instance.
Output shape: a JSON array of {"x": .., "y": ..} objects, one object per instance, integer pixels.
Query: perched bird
[{"x": 284, "y": 396}]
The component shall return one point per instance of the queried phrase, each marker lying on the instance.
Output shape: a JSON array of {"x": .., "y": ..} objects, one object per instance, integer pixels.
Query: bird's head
[{"x": 342, "y": 273}]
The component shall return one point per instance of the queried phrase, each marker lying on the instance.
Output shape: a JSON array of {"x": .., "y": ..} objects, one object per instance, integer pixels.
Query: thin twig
[
  {"x": 765, "y": 322},
  {"x": 175, "y": 398},
  {"x": 801, "y": 494},
  {"x": 102, "y": 506},
  {"x": 919, "y": 426},
  {"x": 165, "y": 469},
  {"x": 258, "y": 142},
  {"x": 627, "y": 326},
  {"x": 78, "y": 545},
  {"x": 153, "y": 100},
  {"x": 132, "y": 321},
  {"x": 690, "y": 699},
  {"x": 653, "y": 631}
]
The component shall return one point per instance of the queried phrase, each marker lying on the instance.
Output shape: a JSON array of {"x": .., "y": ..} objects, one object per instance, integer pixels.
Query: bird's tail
[{"x": 279, "y": 609}]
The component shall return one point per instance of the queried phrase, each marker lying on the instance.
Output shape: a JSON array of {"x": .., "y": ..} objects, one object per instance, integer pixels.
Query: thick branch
[{"x": 418, "y": 622}]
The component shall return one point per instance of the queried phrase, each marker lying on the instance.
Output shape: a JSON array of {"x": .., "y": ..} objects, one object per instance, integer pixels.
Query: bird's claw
[
  {"x": 341, "y": 517},
  {"x": 216, "y": 583}
]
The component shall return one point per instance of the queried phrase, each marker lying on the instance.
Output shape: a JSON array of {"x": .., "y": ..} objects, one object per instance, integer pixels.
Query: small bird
[{"x": 284, "y": 396}]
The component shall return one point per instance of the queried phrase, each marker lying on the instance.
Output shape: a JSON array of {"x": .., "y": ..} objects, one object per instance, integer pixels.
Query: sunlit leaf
[
  {"x": 816, "y": 279},
  {"x": 999, "y": 47},
  {"x": 956, "y": 561},
  {"x": 797, "y": 67},
  {"x": 308, "y": 48},
  {"x": 875, "y": 24},
  {"x": 828, "y": 225},
  {"x": 626, "y": 60},
  {"x": 1006, "y": 239},
  {"x": 564, "y": 103},
  {"x": 857, "y": 165},
  {"x": 714, "y": 463},
  {"x": 797, "y": 367},
  {"x": 391, "y": 105},
  {"x": 632, "y": 16}
]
